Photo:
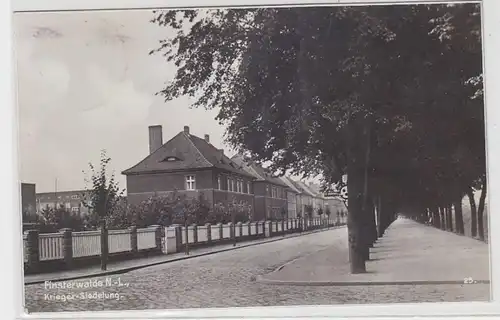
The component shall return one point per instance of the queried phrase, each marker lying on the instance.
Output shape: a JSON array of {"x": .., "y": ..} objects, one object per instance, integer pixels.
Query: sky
[{"x": 86, "y": 82}]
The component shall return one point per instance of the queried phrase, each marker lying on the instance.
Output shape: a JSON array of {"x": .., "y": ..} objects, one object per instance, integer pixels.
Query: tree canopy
[{"x": 392, "y": 92}]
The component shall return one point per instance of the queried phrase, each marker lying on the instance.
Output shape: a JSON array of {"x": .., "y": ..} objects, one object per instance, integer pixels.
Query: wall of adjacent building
[{"x": 28, "y": 199}]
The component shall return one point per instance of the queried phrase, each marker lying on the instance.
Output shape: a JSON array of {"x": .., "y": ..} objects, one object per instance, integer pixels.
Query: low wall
[{"x": 68, "y": 250}]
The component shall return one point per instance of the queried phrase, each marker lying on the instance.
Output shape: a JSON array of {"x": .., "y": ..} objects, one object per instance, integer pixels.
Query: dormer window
[{"x": 171, "y": 159}]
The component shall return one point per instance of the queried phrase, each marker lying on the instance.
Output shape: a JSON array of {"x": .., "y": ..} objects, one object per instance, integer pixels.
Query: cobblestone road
[{"x": 228, "y": 280}]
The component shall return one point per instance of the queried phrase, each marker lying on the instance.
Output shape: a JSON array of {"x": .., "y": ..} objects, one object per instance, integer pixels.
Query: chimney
[
  {"x": 155, "y": 138},
  {"x": 186, "y": 129},
  {"x": 207, "y": 138}
]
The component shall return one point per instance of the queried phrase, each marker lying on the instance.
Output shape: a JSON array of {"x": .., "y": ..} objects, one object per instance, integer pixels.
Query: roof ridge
[
  {"x": 151, "y": 154},
  {"x": 194, "y": 145}
]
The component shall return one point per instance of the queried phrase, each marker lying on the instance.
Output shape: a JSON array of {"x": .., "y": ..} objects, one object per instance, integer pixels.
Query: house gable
[{"x": 179, "y": 153}]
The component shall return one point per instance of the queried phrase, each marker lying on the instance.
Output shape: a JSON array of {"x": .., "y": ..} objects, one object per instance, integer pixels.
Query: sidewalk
[
  {"x": 134, "y": 264},
  {"x": 409, "y": 253}
]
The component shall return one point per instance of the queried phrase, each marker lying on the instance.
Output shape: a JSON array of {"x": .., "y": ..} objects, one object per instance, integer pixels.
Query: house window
[
  {"x": 74, "y": 197},
  {"x": 267, "y": 190},
  {"x": 190, "y": 183},
  {"x": 229, "y": 184},
  {"x": 219, "y": 183},
  {"x": 240, "y": 186},
  {"x": 68, "y": 205},
  {"x": 75, "y": 209},
  {"x": 273, "y": 190},
  {"x": 248, "y": 187},
  {"x": 234, "y": 185}
]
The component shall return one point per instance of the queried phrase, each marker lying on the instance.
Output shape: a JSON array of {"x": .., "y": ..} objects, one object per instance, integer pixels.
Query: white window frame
[
  {"x": 75, "y": 197},
  {"x": 248, "y": 187},
  {"x": 219, "y": 183},
  {"x": 190, "y": 182}
]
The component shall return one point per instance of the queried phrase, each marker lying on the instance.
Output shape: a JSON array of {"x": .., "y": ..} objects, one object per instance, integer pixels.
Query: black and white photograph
[{"x": 252, "y": 156}]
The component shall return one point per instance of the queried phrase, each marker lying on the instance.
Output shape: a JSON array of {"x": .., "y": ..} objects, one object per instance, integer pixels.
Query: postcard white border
[{"x": 10, "y": 194}]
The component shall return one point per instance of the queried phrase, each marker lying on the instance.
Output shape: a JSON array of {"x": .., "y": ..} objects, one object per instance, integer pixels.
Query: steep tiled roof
[
  {"x": 290, "y": 184},
  {"x": 316, "y": 189},
  {"x": 188, "y": 152},
  {"x": 305, "y": 189},
  {"x": 257, "y": 171}
]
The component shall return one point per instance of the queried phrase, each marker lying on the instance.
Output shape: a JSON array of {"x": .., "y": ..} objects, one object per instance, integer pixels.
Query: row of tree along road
[{"x": 390, "y": 95}]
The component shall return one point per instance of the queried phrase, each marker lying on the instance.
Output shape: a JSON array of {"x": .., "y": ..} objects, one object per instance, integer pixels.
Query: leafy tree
[
  {"x": 308, "y": 210},
  {"x": 283, "y": 82},
  {"x": 320, "y": 212},
  {"x": 104, "y": 195},
  {"x": 231, "y": 211}
]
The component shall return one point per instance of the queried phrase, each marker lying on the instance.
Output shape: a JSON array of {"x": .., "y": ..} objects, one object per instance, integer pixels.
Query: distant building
[
  {"x": 294, "y": 198},
  {"x": 318, "y": 198},
  {"x": 28, "y": 200},
  {"x": 270, "y": 192},
  {"x": 189, "y": 165},
  {"x": 306, "y": 196},
  {"x": 70, "y": 200}
]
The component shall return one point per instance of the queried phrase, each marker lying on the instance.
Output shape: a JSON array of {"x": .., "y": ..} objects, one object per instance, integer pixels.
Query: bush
[{"x": 59, "y": 218}]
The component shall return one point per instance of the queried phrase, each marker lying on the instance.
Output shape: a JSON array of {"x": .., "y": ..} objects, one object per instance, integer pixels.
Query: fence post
[
  {"x": 195, "y": 233},
  {"x": 267, "y": 229},
  {"x": 209, "y": 232},
  {"x": 133, "y": 240},
  {"x": 178, "y": 237},
  {"x": 171, "y": 240},
  {"x": 32, "y": 250},
  {"x": 67, "y": 247},
  {"x": 221, "y": 234}
]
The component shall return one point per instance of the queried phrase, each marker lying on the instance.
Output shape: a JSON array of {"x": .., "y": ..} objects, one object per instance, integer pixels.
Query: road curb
[
  {"x": 128, "y": 269},
  {"x": 263, "y": 280}
]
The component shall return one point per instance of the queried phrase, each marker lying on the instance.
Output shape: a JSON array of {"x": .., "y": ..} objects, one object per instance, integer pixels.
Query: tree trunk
[
  {"x": 437, "y": 218},
  {"x": 473, "y": 212},
  {"x": 443, "y": 218},
  {"x": 379, "y": 216},
  {"x": 355, "y": 220},
  {"x": 449, "y": 216},
  {"x": 459, "y": 218},
  {"x": 372, "y": 224},
  {"x": 480, "y": 211}
]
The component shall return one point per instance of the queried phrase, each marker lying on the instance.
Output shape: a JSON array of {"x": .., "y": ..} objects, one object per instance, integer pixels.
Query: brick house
[
  {"x": 269, "y": 192},
  {"x": 318, "y": 198},
  {"x": 70, "y": 200},
  {"x": 294, "y": 198},
  {"x": 306, "y": 196},
  {"x": 189, "y": 165}
]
